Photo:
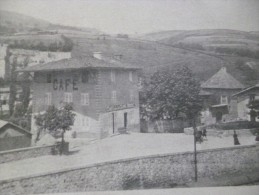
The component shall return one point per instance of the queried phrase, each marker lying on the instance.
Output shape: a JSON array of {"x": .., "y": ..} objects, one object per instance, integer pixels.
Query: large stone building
[
  {"x": 217, "y": 94},
  {"x": 104, "y": 93}
]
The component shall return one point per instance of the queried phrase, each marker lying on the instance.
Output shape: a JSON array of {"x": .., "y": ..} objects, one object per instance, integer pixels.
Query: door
[
  {"x": 125, "y": 119},
  {"x": 113, "y": 122},
  {"x": 218, "y": 117}
]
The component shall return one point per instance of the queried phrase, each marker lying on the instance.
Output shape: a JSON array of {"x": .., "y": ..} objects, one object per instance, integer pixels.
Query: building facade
[
  {"x": 245, "y": 99},
  {"x": 104, "y": 94},
  {"x": 3, "y": 52},
  {"x": 218, "y": 104}
]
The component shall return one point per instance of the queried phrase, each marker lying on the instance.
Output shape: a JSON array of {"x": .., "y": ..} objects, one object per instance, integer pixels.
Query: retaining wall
[
  {"x": 18, "y": 154},
  {"x": 155, "y": 171}
]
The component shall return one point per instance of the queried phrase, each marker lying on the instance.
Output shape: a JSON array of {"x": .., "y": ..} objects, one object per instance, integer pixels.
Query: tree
[
  {"x": 171, "y": 94},
  {"x": 55, "y": 119},
  {"x": 13, "y": 88},
  {"x": 25, "y": 84},
  {"x": 21, "y": 116}
]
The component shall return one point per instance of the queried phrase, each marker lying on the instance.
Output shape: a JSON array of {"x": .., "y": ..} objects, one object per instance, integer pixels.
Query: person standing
[{"x": 236, "y": 141}]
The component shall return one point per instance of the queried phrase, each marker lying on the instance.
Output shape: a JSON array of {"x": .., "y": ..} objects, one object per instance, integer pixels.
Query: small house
[
  {"x": 216, "y": 92},
  {"x": 13, "y": 136}
]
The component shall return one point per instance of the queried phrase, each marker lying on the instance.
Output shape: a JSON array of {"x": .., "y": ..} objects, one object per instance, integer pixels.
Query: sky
[{"x": 142, "y": 16}]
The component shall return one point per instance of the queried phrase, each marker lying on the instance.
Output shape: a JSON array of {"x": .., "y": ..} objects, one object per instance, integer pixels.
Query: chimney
[
  {"x": 97, "y": 55},
  {"x": 224, "y": 69}
]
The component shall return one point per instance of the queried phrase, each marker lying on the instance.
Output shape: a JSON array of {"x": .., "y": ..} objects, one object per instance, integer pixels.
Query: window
[
  {"x": 68, "y": 98},
  {"x": 85, "y": 77},
  {"x": 131, "y": 96},
  {"x": 49, "y": 78},
  {"x": 112, "y": 76},
  {"x": 114, "y": 98},
  {"x": 85, "y": 99},
  {"x": 85, "y": 121},
  {"x": 224, "y": 99},
  {"x": 48, "y": 99},
  {"x": 130, "y": 76},
  {"x": 251, "y": 97}
]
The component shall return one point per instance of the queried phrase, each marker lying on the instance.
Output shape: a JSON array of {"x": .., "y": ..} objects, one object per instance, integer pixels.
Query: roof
[
  {"x": 246, "y": 90},
  {"x": 222, "y": 80},
  {"x": 78, "y": 63},
  {"x": 204, "y": 93},
  {"x": 3, "y": 123}
]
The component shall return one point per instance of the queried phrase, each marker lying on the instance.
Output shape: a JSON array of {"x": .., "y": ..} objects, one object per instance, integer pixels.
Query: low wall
[
  {"x": 216, "y": 132},
  {"x": 18, "y": 154},
  {"x": 155, "y": 171}
]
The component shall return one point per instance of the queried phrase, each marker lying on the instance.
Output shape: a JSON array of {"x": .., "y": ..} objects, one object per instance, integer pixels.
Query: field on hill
[
  {"x": 150, "y": 56},
  {"x": 238, "y": 50}
]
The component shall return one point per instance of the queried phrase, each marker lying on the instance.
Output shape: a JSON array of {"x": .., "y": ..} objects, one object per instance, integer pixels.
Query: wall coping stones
[
  {"x": 121, "y": 161},
  {"x": 24, "y": 149}
]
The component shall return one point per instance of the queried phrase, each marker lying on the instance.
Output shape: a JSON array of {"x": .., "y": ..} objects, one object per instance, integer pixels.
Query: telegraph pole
[{"x": 195, "y": 151}]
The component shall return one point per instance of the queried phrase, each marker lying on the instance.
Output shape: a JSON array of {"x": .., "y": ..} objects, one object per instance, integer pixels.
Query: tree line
[{"x": 66, "y": 45}]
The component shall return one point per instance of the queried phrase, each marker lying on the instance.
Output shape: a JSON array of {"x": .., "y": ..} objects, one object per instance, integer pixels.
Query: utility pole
[{"x": 195, "y": 151}]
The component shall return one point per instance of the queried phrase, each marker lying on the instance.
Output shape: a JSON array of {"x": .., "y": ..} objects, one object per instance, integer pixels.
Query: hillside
[
  {"x": 238, "y": 49},
  {"x": 204, "y": 51},
  {"x": 150, "y": 56},
  {"x": 14, "y": 23}
]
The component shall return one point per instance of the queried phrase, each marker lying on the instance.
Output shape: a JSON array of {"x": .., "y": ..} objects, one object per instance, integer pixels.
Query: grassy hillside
[
  {"x": 151, "y": 56},
  {"x": 238, "y": 49},
  {"x": 14, "y": 23}
]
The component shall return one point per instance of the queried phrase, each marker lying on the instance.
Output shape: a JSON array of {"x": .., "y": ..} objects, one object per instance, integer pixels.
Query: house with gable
[
  {"x": 13, "y": 136},
  {"x": 216, "y": 92},
  {"x": 104, "y": 93}
]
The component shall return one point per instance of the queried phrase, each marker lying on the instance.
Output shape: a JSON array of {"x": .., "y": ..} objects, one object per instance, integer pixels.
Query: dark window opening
[
  {"x": 48, "y": 78},
  {"x": 85, "y": 77},
  {"x": 251, "y": 97},
  {"x": 125, "y": 120}
]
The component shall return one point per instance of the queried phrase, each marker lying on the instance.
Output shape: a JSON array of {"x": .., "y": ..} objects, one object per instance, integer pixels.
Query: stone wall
[
  {"x": 155, "y": 171},
  {"x": 18, "y": 154}
]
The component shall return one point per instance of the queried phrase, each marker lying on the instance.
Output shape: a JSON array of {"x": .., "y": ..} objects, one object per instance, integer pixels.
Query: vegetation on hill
[
  {"x": 231, "y": 46},
  {"x": 65, "y": 45}
]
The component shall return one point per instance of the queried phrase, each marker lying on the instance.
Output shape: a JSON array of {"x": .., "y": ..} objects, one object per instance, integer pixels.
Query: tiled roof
[
  {"x": 3, "y": 123},
  {"x": 246, "y": 90},
  {"x": 78, "y": 63},
  {"x": 222, "y": 80}
]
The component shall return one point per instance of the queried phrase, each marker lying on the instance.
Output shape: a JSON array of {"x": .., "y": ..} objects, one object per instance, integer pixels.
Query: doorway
[
  {"x": 113, "y": 127},
  {"x": 219, "y": 117},
  {"x": 125, "y": 120}
]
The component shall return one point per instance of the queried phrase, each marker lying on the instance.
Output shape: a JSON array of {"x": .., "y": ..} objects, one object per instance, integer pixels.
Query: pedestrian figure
[
  {"x": 257, "y": 137},
  {"x": 236, "y": 141},
  {"x": 204, "y": 132},
  {"x": 199, "y": 136}
]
